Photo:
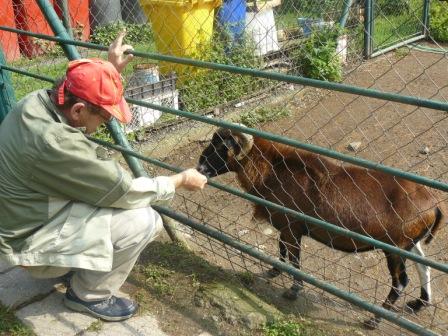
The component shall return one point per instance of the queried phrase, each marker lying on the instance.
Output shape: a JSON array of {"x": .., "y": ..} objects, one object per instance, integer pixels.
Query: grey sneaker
[{"x": 112, "y": 309}]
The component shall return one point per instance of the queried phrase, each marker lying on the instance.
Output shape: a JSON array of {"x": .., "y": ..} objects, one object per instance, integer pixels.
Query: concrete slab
[
  {"x": 135, "y": 326},
  {"x": 50, "y": 317},
  {"x": 17, "y": 286}
]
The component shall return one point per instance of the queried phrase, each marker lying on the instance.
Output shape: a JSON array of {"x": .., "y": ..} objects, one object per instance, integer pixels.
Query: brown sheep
[{"x": 393, "y": 210}]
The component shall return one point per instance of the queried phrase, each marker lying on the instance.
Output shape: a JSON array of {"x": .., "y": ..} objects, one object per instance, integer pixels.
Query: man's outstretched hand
[
  {"x": 116, "y": 52},
  {"x": 189, "y": 179}
]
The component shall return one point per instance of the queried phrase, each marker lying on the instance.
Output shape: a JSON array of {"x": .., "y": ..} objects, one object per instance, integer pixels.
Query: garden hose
[{"x": 428, "y": 49}]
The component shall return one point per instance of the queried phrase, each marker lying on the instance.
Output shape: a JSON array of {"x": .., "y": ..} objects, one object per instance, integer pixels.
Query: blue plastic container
[
  {"x": 231, "y": 19},
  {"x": 308, "y": 25}
]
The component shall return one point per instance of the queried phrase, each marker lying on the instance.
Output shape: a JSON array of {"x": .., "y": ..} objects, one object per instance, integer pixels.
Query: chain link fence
[{"x": 323, "y": 40}]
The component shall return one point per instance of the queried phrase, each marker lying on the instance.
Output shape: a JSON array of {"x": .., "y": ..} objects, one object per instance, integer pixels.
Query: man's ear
[{"x": 74, "y": 112}]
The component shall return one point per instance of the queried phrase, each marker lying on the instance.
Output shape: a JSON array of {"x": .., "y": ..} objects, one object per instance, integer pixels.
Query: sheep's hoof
[
  {"x": 273, "y": 273},
  {"x": 372, "y": 323},
  {"x": 415, "y": 306},
  {"x": 291, "y": 294}
]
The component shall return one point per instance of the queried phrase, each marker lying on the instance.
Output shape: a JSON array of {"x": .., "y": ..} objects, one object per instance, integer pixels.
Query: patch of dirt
[{"x": 390, "y": 133}]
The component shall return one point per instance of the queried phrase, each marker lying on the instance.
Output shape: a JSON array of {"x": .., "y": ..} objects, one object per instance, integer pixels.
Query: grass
[
  {"x": 263, "y": 114},
  {"x": 11, "y": 326},
  {"x": 292, "y": 327}
]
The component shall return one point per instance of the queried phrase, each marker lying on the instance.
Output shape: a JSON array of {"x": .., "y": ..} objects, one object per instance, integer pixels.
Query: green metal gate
[{"x": 391, "y": 24}]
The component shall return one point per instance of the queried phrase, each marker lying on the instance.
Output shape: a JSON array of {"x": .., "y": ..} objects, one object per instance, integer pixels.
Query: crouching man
[{"x": 64, "y": 209}]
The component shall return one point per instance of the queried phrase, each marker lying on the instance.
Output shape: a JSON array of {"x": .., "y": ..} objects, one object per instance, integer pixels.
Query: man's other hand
[{"x": 116, "y": 52}]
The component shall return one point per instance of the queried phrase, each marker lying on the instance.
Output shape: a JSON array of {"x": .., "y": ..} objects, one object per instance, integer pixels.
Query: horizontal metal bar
[
  {"x": 27, "y": 73},
  {"x": 422, "y": 102},
  {"x": 309, "y": 147},
  {"x": 254, "y": 252},
  {"x": 319, "y": 223},
  {"x": 398, "y": 45}
]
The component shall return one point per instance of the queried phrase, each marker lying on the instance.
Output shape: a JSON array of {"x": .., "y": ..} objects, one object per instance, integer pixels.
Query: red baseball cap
[{"x": 99, "y": 83}]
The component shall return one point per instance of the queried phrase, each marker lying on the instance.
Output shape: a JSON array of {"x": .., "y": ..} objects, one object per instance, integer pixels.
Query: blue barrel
[{"x": 231, "y": 19}]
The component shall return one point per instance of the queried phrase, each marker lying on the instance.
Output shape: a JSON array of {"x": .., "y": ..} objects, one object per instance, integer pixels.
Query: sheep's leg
[
  {"x": 274, "y": 271},
  {"x": 425, "y": 282},
  {"x": 397, "y": 270},
  {"x": 294, "y": 258}
]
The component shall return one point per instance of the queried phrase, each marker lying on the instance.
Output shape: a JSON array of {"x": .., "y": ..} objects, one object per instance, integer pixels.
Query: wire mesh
[{"x": 290, "y": 36}]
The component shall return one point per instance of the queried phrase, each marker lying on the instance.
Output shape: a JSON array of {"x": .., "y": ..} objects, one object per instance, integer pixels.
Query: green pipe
[
  {"x": 254, "y": 252},
  {"x": 398, "y": 45},
  {"x": 29, "y": 74},
  {"x": 113, "y": 126},
  {"x": 309, "y": 147},
  {"x": 345, "y": 13},
  {"x": 368, "y": 29},
  {"x": 63, "y": 5},
  {"x": 7, "y": 95},
  {"x": 319, "y": 223},
  {"x": 312, "y": 148},
  {"x": 72, "y": 54},
  {"x": 426, "y": 18},
  {"x": 433, "y": 104}
]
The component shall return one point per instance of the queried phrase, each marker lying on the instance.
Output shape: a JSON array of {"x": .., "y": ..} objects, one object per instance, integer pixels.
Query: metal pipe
[
  {"x": 113, "y": 126},
  {"x": 422, "y": 102},
  {"x": 319, "y": 223},
  {"x": 398, "y": 45},
  {"x": 368, "y": 29},
  {"x": 309, "y": 147},
  {"x": 7, "y": 96},
  {"x": 345, "y": 13}
]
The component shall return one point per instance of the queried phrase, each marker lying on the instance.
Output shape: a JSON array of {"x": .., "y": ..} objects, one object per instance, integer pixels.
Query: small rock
[
  {"x": 216, "y": 111},
  {"x": 243, "y": 232},
  {"x": 268, "y": 231},
  {"x": 215, "y": 318},
  {"x": 424, "y": 150},
  {"x": 261, "y": 247},
  {"x": 354, "y": 146},
  {"x": 239, "y": 104},
  {"x": 254, "y": 320}
]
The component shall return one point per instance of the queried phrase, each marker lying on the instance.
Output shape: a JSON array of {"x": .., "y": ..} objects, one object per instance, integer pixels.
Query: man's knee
[{"x": 136, "y": 225}]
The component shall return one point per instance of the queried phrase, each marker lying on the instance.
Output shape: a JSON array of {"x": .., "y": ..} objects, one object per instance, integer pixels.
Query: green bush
[
  {"x": 392, "y": 7},
  {"x": 135, "y": 33},
  {"x": 316, "y": 57},
  {"x": 438, "y": 20},
  {"x": 207, "y": 88}
]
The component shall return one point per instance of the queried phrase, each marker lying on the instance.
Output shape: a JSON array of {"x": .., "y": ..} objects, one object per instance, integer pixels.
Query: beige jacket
[{"x": 56, "y": 196}]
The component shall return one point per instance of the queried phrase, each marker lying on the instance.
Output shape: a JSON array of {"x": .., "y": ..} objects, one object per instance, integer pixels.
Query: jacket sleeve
[
  {"x": 67, "y": 167},
  {"x": 145, "y": 191}
]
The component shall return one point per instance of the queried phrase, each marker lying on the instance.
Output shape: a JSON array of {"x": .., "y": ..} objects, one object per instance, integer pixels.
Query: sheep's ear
[{"x": 245, "y": 143}]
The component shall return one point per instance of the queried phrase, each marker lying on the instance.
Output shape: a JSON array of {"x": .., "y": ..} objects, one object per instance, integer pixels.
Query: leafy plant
[
  {"x": 317, "y": 58},
  {"x": 282, "y": 328},
  {"x": 207, "y": 88},
  {"x": 438, "y": 22},
  {"x": 263, "y": 114},
  {"x": 135, "y": 33}
]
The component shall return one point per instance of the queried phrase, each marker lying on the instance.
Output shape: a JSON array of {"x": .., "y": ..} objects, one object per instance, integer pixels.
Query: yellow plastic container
[{"x": 180, "y": 27}]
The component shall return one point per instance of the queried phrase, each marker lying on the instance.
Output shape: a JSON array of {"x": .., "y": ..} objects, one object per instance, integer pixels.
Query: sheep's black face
[{"x": 213, "y": 160}]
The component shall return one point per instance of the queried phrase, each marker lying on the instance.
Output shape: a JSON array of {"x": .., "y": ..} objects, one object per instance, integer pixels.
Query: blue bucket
[
  {"x": 308, "y": 25},
  {"x": 231, "y": 18}
]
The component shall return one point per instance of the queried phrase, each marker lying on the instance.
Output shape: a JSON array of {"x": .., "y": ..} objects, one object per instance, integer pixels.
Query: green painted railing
[
  {"x": 132, "y": 160},
  {"x": 410, "y": 100},
  {"x": 311, "y": 220}
]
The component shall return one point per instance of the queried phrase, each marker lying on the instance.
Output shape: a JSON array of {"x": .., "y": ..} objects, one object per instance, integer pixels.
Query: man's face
[
  {"x": 95, "y": 118},
  {"x": 87, "y": 116}
]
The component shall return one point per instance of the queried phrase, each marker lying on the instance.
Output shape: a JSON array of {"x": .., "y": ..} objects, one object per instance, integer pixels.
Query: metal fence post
[
  {"x": 7, "y": 96},
  {"x": 113, "y": 126},
  {"x": 368, "y": 28}
]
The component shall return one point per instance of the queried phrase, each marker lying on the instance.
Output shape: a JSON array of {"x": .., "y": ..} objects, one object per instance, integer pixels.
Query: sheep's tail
[{"x": 436, "y": 226}]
